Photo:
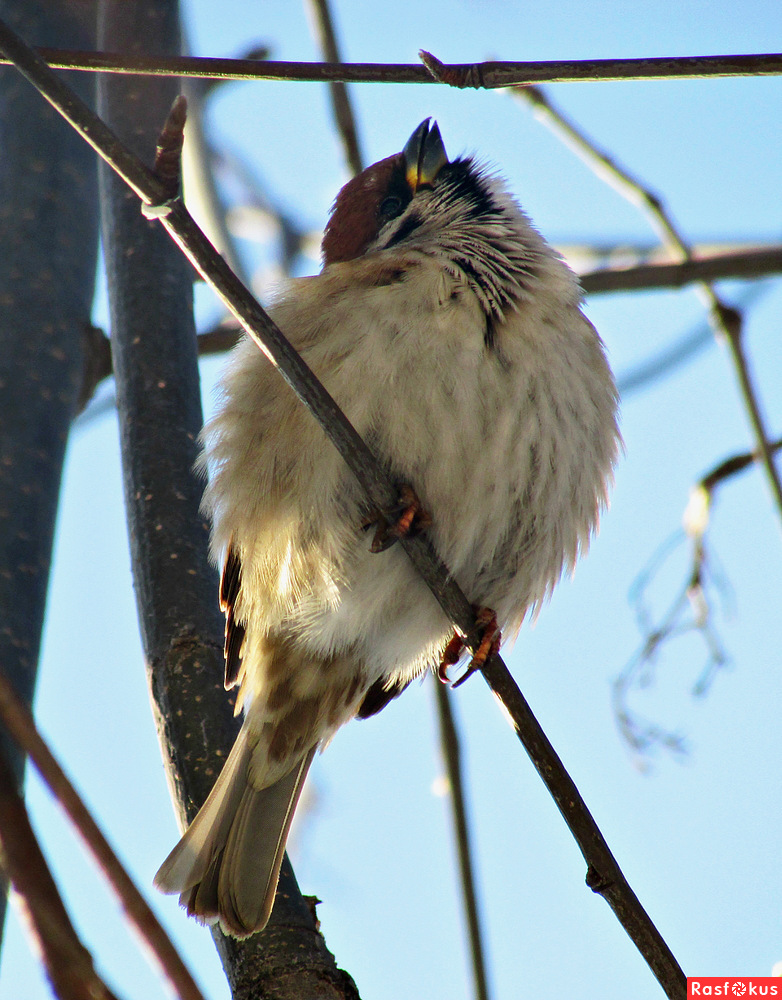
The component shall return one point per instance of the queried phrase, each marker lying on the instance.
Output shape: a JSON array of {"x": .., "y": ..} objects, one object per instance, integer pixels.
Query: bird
[{"x": 453, "y": 338}]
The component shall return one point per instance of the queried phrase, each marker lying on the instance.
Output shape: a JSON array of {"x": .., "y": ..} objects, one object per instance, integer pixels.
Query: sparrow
[{"x": 452, "y": 336}]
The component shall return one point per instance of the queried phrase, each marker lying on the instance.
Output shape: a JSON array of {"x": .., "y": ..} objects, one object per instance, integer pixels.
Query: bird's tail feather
[{"x": 227, "y": 864}]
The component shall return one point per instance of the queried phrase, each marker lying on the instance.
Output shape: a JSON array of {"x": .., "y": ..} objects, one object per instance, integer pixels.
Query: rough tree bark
[
  {"x": 48, "y": 234},
  {"x": 155, "y": 365}
]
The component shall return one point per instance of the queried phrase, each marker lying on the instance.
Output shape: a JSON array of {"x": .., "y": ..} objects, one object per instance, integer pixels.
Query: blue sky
[{"x": 697, "y": 837}]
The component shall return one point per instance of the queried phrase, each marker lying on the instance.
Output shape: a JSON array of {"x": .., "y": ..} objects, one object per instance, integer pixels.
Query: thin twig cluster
[{"x": 692, "y": 610}]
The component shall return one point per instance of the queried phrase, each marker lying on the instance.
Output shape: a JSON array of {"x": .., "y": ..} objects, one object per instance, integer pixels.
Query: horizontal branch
[
  {"x": 604, "y": 874},
  {"x": 744, "y": 264},
  {"x": 740, "y": 265},
  {"x": 482, "y": 75}
]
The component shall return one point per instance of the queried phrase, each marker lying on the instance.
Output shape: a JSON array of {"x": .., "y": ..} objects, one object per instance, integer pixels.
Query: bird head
[
  {"x": 420, "y": 200},
  {"x": 369, "y": 203}
]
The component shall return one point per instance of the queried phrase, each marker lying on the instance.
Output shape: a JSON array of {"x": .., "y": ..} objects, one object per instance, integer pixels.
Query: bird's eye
[{"x": 390, "y": 207}]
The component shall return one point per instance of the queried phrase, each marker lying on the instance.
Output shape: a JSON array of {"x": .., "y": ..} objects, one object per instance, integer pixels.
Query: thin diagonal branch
[
  {"x": 487, "y": 75},
  {"x": 604, "y": 166},
  {"x": 752, "y": 403},
  {"x": 449, "y": 740},
  {"x": 68, "y": 964},
  {"x": 726, "y": 321},
  {"x": 21, "y": 726},
  {"x": 340, "y": 102},
  {"x": 604, "y": 874}
]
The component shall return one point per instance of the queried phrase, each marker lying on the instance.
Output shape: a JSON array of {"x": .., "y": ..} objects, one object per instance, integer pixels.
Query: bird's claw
[
  {"x": 450, "y": 655},
  {"x": 410, "y": 519},
  {"x": 491, "y": 637}
]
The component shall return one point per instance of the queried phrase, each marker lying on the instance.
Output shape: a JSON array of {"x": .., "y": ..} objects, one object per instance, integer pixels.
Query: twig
[
  {"x": 746, "y": 264},
  {"x": 604, "y": 875},
  {"x": 68, "y": 964},
  {"x": 732, "y": 466},
  {"x": 694, "y": 595},
  {"x": 449, "y": 740},
  {"x": 98, "y": 361},
  {"x": 726, "y": 321},
  {"x": 340, "y": 103},
  {"x": 604, "y": 166},
  {"x": 219, "y": 339},
  {"x": 168, "y": 154},
  {"x": 487, "y": 75},
  {"x": 740, "y": 363},
  {"x": 20, "y": 724}
]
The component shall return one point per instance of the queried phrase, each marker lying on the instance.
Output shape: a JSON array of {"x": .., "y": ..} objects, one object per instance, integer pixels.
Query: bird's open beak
[{"x": 424, "y": 155}]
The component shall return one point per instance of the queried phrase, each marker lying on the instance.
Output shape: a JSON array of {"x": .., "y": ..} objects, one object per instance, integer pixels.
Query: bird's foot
[
  {"x": 491, "y": 637},
  {"x": 410, "y": 519}
]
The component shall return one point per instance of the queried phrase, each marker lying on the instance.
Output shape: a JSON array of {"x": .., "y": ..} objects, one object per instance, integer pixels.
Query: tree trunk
[
  {"x": 155, "y": 366},
  {"x": 48, "y": 234}
]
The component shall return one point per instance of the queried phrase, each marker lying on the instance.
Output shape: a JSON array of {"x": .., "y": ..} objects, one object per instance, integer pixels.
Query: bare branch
[
  {"x": 68, "y": 964},
  {"x": 603, "y": 165},
  {"x": 224, "y": 336},
  {"x": 604, "y": 875},
  {"x": 168, "y": 154},
  {"x": 732, "y": 466},
  {"x": 487, "y": 75},
  {"x": 20, "y": 724},
  {"x": 343, "y": 112},
  {"x": 219, "y": 339},
  {"x": 752, "y": 403},
  {"x": 747, "y": 264},
  {"x": 693, "y": 609},
  {"x": 450, "y": 743}
]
